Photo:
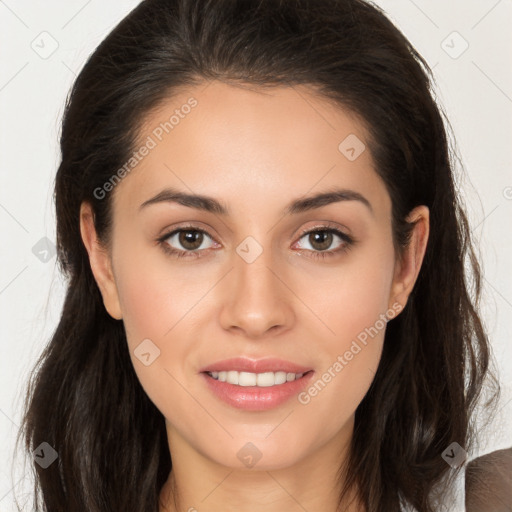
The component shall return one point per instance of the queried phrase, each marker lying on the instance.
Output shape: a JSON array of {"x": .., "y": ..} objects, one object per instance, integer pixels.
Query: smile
[
  {"x": 261, "y": 380},
  {"x": 256, "y": 391}
]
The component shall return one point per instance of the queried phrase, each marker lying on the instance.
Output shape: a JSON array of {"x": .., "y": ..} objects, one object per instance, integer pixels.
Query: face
[{"x": 254, "y": 277}]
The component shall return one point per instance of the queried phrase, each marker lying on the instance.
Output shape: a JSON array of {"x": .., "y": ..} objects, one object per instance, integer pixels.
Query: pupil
[
  {"x": 323, "y": 239},
  {"x": 318, "y": 236},
  {"x": 188, "y": 239}
]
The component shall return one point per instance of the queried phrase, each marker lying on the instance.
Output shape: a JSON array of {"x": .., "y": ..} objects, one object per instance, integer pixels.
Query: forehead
[{"x": 246, "y": 145}]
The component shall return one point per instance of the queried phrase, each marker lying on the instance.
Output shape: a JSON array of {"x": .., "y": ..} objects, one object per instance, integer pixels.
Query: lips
[
  {"x": 242, "y": 364},
  {"x": 255, "y": 398}
]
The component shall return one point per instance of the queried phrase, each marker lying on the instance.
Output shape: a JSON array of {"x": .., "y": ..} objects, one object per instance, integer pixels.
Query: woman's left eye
[
  {"x": 192, "y": 238},
  {"x": 323, "y": 238}
]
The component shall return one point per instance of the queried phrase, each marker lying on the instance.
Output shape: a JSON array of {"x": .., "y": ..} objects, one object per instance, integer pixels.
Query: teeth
[{"x": 266, "y": 379}]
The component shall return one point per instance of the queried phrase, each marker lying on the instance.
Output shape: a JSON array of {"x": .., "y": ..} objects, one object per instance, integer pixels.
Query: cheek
[
  {"x": 160, "y": 301},
  {"x": 352, "y": 296},
  {"x": 164, "y": 302},
  {"x": 154, "y": 293},
  {"x": 142, "y": 295},
  {"x": 154, "y": 304},
  {"x": 353, "y": 305}
]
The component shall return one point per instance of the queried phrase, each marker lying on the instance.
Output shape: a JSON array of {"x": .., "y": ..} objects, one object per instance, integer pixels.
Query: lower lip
[{"x": 254, "y": 398}]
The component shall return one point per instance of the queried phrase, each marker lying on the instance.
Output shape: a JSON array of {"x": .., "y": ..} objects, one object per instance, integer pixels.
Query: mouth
[
  {"x": 260, "y": 380},
  {"x": 255, "y": 366},
  {"x": 272, "y": 386}
]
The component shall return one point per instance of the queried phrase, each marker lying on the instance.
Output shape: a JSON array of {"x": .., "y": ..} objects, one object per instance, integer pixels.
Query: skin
[{"x": 255, "y": 151}]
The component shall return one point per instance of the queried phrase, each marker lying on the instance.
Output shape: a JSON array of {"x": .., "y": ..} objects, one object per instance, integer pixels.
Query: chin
[{"x": 259, "y": 453}]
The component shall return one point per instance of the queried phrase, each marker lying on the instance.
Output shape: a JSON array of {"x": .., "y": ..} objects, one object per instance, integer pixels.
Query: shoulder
[
  {"x": 489, "y": 482},
  {"x": 482, "y": 485}
]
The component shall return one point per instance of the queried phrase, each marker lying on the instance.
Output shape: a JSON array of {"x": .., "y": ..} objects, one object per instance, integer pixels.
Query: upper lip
[{"x": 243, "y": 364}]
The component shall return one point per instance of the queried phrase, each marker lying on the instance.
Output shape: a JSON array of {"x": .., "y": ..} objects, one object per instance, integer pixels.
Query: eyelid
[
  {"x": 348, "y": 239},
  {"x": 326, "y": 225},
  {"x": 166, "y": 233},
  {"x": 188, "y": 227},
  {"x": 196, "y": 226}
]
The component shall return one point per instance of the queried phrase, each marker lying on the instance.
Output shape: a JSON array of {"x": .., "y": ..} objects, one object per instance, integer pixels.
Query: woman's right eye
[{"x": 190, "y": 239}]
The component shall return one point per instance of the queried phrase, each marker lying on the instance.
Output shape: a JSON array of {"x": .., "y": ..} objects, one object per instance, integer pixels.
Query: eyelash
[{"x": 348, "y": 242}]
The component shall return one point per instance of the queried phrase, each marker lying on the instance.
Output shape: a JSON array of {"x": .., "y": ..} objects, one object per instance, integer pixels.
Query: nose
[{"x": 256, "y": 299}]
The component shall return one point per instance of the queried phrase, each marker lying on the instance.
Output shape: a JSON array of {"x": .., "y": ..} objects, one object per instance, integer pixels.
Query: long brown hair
[{"x": 84, "y": 398}]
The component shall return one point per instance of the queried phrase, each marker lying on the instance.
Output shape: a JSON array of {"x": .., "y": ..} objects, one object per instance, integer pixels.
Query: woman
[{"x": 267, "y": 305}]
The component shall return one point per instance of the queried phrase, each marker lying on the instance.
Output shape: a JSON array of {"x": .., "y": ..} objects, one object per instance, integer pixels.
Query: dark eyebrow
[
  {"x": 208, "y": 204},
  {"x": 325, "y": 198},
  {"x": 211, "y": 205}
]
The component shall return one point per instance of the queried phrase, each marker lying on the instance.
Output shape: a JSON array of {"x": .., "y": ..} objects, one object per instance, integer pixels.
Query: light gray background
[{"x": 474, "y": 87}]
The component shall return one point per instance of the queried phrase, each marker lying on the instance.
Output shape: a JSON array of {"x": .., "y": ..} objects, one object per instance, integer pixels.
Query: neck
[{"x": 197, "y": 483}]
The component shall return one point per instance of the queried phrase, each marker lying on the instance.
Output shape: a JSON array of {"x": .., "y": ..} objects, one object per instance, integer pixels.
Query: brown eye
[
  {"x": 185, "y": 240},
  {"x": 320, "y": 240},
  {"x": 190, "y": 239}
]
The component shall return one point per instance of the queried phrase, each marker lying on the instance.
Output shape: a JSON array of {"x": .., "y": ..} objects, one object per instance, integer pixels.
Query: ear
[
  {"x": 408, "y": 266},
  {"x": 100, "y": 261}
]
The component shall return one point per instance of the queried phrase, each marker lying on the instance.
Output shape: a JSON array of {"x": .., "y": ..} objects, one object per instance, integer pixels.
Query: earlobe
[
  {"x": 408, "y": 266},
  {"x": 100, "y": 261}
]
